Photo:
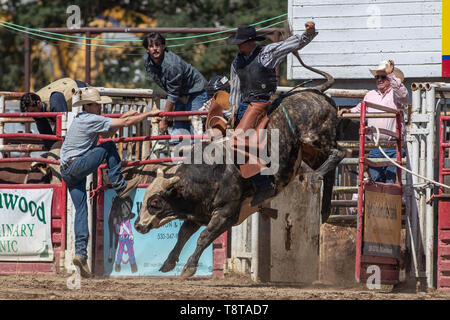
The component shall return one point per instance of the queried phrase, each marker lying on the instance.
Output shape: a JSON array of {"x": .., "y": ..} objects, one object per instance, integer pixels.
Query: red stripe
[{"x": 446, "y": 68}]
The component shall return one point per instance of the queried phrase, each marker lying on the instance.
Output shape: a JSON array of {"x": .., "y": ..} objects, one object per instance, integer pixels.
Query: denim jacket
[{"x": 175, "y": 76}]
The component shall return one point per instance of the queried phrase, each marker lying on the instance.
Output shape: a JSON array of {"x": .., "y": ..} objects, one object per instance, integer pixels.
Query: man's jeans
[
  {"x": 75, "y": 177},
  {"x": 384, "y": 174},
  {"x": 195, "y": 102}
]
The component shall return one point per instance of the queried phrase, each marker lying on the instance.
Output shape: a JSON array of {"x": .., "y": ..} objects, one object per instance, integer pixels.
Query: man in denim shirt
[
  {"x": 81, "y": 155},
  {"x": 185, "y": 85}
]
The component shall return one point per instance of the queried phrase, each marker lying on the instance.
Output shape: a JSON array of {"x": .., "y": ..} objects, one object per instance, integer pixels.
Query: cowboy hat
[
  {"x": 244, "y": 33},
  {"x": 382, "y": 69},
  {"x": 91, "y": 95}
]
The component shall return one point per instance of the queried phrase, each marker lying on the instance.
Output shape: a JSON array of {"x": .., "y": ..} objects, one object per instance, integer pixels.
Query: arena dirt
[{"x": 44, "y": 287}]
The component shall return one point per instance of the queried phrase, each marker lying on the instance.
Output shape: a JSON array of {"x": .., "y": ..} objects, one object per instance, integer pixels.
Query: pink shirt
[{"x": 393, "y": 98}]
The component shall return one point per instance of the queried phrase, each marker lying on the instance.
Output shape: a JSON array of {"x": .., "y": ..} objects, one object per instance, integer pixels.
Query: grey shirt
[
  {"x": 270, "y": 57},
  {"x": 83, "y": 135},
  {"x": 175, "y": 76}
]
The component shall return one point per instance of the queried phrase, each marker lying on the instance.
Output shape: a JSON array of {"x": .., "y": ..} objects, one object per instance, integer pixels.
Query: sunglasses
[{"x": 382, "y": 77}]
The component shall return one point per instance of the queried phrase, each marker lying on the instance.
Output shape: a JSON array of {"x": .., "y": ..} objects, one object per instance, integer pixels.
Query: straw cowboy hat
[
  {"x": 244, "y": 33},
  {"x": 382, "y": 70},
  {"x": 91, "y": 95}
]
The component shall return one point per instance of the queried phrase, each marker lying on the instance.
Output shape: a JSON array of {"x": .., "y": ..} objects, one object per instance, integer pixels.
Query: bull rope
[{"x": 431, "y": 181}]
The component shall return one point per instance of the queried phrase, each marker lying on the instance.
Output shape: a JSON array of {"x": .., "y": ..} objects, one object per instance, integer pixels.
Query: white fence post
[{"x": 429, "y": 220}]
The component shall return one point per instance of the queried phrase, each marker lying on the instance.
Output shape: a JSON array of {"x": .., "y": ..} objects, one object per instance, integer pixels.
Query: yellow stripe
[{"x": 445, "y": 27}]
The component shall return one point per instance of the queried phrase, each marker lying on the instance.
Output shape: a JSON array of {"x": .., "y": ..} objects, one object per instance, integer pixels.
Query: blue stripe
[{"x": 446, "y": 58}]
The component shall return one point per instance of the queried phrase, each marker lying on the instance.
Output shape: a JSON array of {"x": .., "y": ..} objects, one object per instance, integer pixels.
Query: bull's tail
[
  {"x": 330, "y": 80},
  {"x": 322, "y": 87}
]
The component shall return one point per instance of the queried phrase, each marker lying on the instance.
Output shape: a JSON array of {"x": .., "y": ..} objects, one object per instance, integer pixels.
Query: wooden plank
[
  {"x": 362, "y": 72},
  {"x": 364, "y": 34},
  {"x": 378, "y": 260},
  {"x": 392, "y": 21},
  {"x": 444, "y": 251},
  {"x": 341, "y": 2},
  {"x": 444, "y": 282},
  {"x": 386, "y": 46},
  {"x": 352, "y": 10},
  {"x": 366, "y": 59}
]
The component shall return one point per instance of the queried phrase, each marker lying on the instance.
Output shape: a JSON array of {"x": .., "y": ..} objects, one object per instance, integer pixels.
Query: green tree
[{"x": 125, "y": 68}]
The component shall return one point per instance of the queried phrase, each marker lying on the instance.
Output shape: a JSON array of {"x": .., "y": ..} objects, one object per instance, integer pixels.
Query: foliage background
[{"x": 111, "y": 67}]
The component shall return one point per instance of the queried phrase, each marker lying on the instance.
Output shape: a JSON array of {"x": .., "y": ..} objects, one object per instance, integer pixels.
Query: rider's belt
[
  {"x": 252, "y": 98},
  {"x": 65, "y": 166}
]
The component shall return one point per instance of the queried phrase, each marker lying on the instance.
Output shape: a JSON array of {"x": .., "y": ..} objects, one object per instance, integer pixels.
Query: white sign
[{"x": 25, "y": 225}]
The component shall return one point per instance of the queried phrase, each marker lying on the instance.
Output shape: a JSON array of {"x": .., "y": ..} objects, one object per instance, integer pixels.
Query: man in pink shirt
[{"x": 390, "y": 93}]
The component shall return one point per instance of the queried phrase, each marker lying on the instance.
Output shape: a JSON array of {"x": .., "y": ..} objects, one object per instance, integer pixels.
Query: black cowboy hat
[{"x": 243, "y": 34}]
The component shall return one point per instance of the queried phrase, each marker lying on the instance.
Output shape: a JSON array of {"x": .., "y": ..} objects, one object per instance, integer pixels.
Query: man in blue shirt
[
  {"x": 81, "y": 155},
  {"x": 185, "y": 85},
  {"x": 55, "y": 97}
]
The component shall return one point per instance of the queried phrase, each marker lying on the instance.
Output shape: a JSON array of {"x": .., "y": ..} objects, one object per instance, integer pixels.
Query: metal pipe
[
  {"x": 2, "y": 124},
  {"x": 422, "y": 172},
  {"x": 138, "y": 163},
  {"x": 30, "y": 135},
  {"x": 359, "y": 224},
  {"x": 161, "y": 137},
  {"x": 377, "y": 162},
  {"x": 87, "y": 56},
  {"x": 337, "y": 93},
  {"x": 9, "y": 94},
  {"x": 42, "y": 160},
  {"x": 30, "y": 114},
  {"x": 22, "y": 147},
  {"x": 140, "y": 93},
  {"x": 429, "y": 219},
  {"x": 27, "y": 62},
  {"x": 378, "y": 115},
  {"x": 369, "y": 145},
  {"x": 414, "y": 203},
  {"x": 148, "y": 30},
  {"x": 255, "y": 246}
]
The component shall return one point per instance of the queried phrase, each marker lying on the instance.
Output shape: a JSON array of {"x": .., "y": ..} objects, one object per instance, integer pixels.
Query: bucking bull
[{"x": 216, "y": 195}]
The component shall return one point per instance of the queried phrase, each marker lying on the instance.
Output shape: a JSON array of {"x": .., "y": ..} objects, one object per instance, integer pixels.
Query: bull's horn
[
  {"x": 170, "y": 182},
  {"x": 159, "y": 173}
]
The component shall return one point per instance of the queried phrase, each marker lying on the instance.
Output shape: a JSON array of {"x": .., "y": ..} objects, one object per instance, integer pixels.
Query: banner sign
[
  {"x": 382, "y": 220},
  {"x": 128, "y": 252},
  {"x": 25, "y": 225}
]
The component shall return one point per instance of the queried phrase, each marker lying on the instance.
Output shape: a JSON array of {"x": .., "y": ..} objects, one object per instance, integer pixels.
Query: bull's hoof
[
  {"x": 188, "y": 272},
  {"x": 167, "y": 266}
]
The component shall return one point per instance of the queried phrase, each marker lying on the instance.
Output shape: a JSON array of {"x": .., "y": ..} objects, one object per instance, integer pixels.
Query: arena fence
[{"x": 33, "y": 220}]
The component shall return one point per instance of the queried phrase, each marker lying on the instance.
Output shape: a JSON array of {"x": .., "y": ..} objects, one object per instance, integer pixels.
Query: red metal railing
[
  {"x": 59, "y": 202},
  {"x": 443, "y": 233},
  {"x": 360, "y": 258}
]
